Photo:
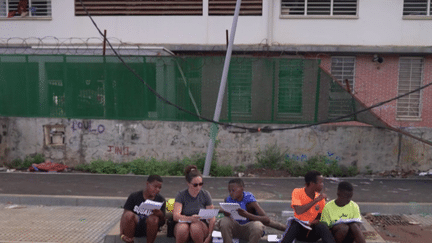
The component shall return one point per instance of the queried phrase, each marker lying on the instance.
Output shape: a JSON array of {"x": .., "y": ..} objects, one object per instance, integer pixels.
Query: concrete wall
[
  {"x": 379, "y": 23},
  {"x": 86, "y": 140}
]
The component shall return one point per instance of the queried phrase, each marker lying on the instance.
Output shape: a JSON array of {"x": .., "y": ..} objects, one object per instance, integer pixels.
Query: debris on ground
[
  {"x": 425, "y": 173},
  {"x": 15, "y": 206},
  {"x": 48, "y": 166},
  {"x": 398, "y": 173},
  {"x": 333, "y": 179}
]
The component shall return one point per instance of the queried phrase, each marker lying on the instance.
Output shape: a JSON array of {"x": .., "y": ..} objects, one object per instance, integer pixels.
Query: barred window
[
  {"x": 417, "y": 7},
  {"x": 410, "y": 78},
  {"x": 319, "y": 7},
  {"x": 25, "y": 8},
  {"x": 343, "y": 68}
]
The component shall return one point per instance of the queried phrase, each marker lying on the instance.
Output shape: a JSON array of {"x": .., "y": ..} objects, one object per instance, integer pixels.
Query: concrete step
[{"x": 114, "y": 236}]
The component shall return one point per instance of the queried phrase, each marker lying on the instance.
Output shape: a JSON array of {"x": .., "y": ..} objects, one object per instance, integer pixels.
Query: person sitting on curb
[
  {"x": 308, "y": 204},
  {"x": 252, "y": 227},
  {"x": 342, "y": 216},
  {"x": 187, "y": 205},
  {"x": 139, "y": 223}
]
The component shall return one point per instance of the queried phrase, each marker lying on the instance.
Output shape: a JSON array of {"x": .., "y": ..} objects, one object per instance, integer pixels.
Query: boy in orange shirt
[{"x": 308, "y": 204}]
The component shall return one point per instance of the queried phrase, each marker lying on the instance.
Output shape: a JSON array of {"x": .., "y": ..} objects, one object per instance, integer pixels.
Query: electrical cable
[{"x": 250, "y": 129}]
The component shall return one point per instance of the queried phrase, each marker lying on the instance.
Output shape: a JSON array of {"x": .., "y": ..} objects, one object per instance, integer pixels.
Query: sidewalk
[
  {"x": 70, "y": 224},
  {"x": 80, "y": 200}
]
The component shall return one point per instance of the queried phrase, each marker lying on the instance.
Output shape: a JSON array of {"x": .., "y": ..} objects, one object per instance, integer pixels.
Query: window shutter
[
  {"x": 410, "y": 78},
  {"x": 3, "y": 8},
  {"x": 40, "y": 8},
  {"x": 227, "y": 7},
  {"x": 293, "y": 7},
  {"x": 345, "y": 7},
  {"x": 144, "y": 7},
  {"x": 35, "y": 8},
  {"x": 319, "y": 7},
  {"x": 415, "y": 7}
]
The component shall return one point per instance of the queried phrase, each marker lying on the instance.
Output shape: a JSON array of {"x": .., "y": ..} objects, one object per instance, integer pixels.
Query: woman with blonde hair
[{"x": 187, "y": 204}]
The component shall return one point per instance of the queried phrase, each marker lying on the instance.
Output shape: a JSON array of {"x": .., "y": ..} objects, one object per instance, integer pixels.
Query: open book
[{"x": 232, "y": 209}]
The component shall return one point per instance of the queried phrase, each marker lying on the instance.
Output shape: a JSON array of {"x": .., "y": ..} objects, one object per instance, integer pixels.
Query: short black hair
[
  {"x": 345, "y": 186},
  {"x": 152, "y": 178},
  {"x": 312, "y": 176},
  {"x": 237, "y": 181}
]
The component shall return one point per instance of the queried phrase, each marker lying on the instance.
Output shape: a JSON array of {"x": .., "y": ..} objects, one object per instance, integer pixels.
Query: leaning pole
[{"x": 214, "y": 127}]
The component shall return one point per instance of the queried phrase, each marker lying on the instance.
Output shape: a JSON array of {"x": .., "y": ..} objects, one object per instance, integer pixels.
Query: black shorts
[{"x": 141, "y": 228}]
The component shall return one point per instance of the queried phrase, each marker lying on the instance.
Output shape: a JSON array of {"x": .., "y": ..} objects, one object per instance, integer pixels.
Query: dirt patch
[
  {"x": 395, "y": 228},
  {"x": 405, "y": 234}
]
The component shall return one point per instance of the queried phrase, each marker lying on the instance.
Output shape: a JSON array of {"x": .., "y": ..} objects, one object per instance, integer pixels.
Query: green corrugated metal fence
[{"x": 259, "y": 90}]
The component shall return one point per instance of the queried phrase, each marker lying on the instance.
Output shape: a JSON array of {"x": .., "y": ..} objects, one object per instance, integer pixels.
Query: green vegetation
[
  {"x": 273, "y": 157},
  {"x": 152, "y": 166},
  {"x": 28, "y": 161},
  {"x": 270, "y": 157},
  {"x": 323, "y": 164},
  {"x": 369, "y": 170}
]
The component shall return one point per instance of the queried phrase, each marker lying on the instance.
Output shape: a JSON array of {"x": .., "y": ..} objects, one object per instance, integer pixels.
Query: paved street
[{"x": 58, "y": 207}]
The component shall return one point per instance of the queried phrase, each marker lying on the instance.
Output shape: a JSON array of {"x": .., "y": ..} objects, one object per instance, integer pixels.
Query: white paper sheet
[
  {"x": 208, "y": 213},
  {"x": 150, "y": 205},
  {"x": 274, "y": 238},
  {"x": 305, "y": 224},
  {"x": 232, "y": 209},
  {"x": 347, "y": 221},
  {"x": 217, "y": 234}
]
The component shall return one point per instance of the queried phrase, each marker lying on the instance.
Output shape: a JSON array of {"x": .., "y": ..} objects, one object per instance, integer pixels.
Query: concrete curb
[{"x": 274, "y": 206}]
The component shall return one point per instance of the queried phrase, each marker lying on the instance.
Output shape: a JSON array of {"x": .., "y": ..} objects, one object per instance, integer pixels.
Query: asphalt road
[{"x": 270, "y": 189}]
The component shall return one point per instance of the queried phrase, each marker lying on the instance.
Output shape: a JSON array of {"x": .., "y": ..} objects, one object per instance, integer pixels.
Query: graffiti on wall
[
  {"x": 120, "y": 150},
  {"x": 303, "y": 157},
  {"x": 87, "y": 126}
]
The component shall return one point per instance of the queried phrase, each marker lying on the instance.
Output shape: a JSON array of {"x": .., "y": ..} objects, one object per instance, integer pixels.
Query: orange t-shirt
[{"x": 299, "y": 198}]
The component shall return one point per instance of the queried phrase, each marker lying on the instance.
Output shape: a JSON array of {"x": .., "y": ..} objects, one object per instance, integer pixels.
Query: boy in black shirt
[{"x": 138, "y": 223}]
